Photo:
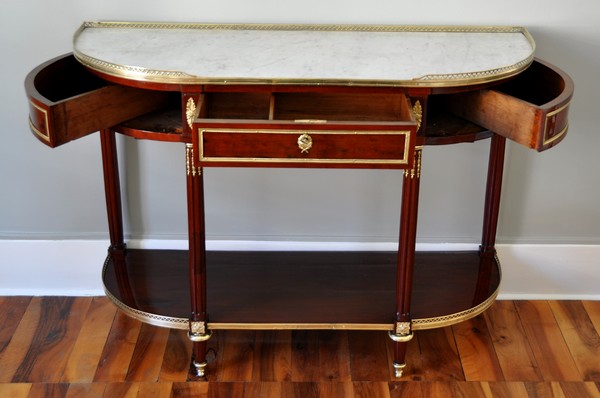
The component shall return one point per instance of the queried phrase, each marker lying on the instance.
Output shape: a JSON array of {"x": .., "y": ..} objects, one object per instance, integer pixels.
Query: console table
[{"x": 318, "y": 96}]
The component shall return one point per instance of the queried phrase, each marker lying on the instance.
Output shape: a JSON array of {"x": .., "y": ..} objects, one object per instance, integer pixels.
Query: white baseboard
[{"x": 72, "y": 267}]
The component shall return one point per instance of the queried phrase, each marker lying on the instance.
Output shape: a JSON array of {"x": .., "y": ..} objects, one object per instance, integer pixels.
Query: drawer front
[
  {"x": 293, "y": 145},
  {"x": 67, "y": 102},
  {"x": 531, "y": 109}
]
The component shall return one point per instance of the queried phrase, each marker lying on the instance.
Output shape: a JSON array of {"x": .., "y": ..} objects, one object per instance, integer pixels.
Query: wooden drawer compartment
[
  {"x": 304, "y": 130},
  {"x": 67, "y": 102},
  {"x": 532, "y": 109}
]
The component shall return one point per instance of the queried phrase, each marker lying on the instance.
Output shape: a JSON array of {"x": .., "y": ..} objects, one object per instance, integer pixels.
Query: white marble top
[{"x": 303, "y": 54}]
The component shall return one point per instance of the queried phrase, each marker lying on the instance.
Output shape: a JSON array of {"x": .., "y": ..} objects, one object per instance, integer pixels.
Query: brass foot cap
[
  {"x": 399, "y": 369},
  {"x": 200, "y": 368}
]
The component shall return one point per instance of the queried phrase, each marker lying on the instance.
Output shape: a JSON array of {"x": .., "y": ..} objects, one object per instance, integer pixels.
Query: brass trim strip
[
  {"x": 44, "y": 136},
  {"x": 557, "y": 136},
  {"x": 418, "y": 324},
  {"x": 177, "y": 77},
  {"x": 149, "y": 318},
  {"x": 561, "y": 133},
  {"x": 295, "y": 27},
  {"x": 447, "y": 320},
  {"x": 299, "y": 326},
  {"x": 403, "y": 161}
]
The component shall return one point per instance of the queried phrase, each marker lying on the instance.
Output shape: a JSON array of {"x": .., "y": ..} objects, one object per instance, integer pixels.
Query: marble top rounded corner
[{"x": 363, "y": 55}]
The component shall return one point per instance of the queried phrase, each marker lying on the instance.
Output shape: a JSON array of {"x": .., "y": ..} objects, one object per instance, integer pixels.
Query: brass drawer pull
[{"x": 305, "y": 142}]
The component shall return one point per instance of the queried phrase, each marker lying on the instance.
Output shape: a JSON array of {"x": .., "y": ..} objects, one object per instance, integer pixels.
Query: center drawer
[{"x": 304, "y": 130}]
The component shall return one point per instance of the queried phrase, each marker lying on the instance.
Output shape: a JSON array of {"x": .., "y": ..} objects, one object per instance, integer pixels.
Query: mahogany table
[{"x": 318, "y": 96}]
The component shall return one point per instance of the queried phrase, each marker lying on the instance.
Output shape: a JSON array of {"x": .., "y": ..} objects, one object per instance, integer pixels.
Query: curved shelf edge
[
  {"x": 452, "y": 319},
  {"x": 417, "y": 323}
]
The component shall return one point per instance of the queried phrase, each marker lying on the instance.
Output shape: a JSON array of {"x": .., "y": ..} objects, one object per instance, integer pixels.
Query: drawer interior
[
  {"x": 66, "y": 78},
  {"x": 530, "y": 109},
  {"x": 537, "y": 85},
  {"x": 67, "y": 102},
  {"x": 306, "y": 106}
]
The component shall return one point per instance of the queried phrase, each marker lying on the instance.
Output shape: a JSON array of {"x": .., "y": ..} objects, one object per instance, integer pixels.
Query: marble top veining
[{"x": 303, "y": 54}]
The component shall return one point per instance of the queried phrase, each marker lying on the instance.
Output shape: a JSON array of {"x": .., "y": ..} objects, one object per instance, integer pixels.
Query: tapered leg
[
  {"x": 492, "y": 194},
  {"x": 402, "y": 332},
  {"x": 112, "y": 189},
  {"x": 487, "y": 250},
  {"x": 198, "y": 332}
]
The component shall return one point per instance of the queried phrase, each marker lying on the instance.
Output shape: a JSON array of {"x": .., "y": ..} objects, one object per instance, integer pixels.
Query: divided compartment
[
  {"x": 67, "y": 102},
  {"x": 531, "y": 109},
  {"x": 304, "y": 129}
]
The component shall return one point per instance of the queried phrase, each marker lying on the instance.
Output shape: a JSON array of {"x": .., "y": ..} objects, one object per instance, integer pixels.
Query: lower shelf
[{"x": 301, "y": 290}]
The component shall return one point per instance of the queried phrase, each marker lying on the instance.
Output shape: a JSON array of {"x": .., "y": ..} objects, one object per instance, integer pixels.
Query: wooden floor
[{"x": 83, "y": 347}]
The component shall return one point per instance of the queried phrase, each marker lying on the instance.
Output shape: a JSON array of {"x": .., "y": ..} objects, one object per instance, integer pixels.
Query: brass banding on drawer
[
  {"x": 39, "y": 121},
  {"x": 556, "y": 125},
  {"x": 374, "y": 147}
]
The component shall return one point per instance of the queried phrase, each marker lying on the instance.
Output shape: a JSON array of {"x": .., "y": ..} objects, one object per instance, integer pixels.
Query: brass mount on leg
[
  {"x": 402, "y": 333},
  {"x": 198, "y": 332}
]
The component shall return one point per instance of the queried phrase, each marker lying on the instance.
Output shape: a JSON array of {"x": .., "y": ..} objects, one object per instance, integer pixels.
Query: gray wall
[{"x": 551, "y": 197}]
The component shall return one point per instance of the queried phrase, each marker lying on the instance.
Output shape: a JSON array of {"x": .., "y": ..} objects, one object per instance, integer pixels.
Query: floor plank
[
  {"x": 439, "y": 355},
  {"x": 510, "y": 342},
  {"x": 59, "y": 322},
  {"x": 305, "y": 355},
  {"x": 580, "y": 335},
  {"x": 86, "y": 390},
  {"x": 11, "y": 312},
  {"x": 272, "y": 356},
  {"x": 368, "y": 361},
  {"x": 147, "y": 358},
  {"x": 121, "y": 390},
  {"x": 235, "y": 363},
  {"x": 505, "y": 390},
  {"x": 16, "y": 349},
  {"x": 118, "y": 350},
  {"x": 83, "y": 347},
  {"x": 334, "y": 356},
  {"x": 48, "y": 390},
  {"x": 437, "y": 389},
  {"x": 225, "y": 389},
  {"x": 155, "y": 390},
  {"x": 83, "y": 361},
  {"x": 405, "y": 389},
  {"x": 546, "y": 341},
  {"x": 176, "y": 361},
  {"x": 376, "y": 389},
  {"x": 262, "y": 390},
  {"x": 14, "y": 390},
  {"x": 593, "y": 310},
  {"x": 579, "y": 390},
  {"x": 476, "y": 351}
]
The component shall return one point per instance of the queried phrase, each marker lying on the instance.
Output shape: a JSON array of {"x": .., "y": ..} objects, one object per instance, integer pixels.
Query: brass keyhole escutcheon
[{"x": 305, "y": 142}]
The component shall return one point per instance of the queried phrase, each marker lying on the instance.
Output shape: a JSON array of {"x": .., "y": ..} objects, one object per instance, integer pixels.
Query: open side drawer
[
  {"x": 531, "y": 109},
  {"x": 304, "y": 130},
  {"x": 67, "y": 102}
]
